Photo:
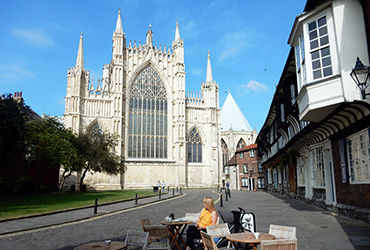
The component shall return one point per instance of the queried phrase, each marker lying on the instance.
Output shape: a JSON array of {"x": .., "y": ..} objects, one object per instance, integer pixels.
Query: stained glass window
[
  {"x": 194, "y": 146},
  {"x": 147, "y": 130}
]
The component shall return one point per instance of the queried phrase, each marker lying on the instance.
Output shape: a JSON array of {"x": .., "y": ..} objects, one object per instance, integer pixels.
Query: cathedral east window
[{"x": 147, "y": 132}]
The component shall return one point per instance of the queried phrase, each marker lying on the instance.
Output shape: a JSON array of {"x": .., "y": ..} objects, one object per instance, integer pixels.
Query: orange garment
[{"x": 205, "y": 218}]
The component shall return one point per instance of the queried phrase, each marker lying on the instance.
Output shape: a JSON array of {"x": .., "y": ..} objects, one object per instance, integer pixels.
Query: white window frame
[
  {"x": 358, "y": 155},
  {"x": 301, "y": 180},
  {"x": 251, "y": 153},
  {"x": 260, "y": 182},
  {"x": 245, "y": 168},
  {"x": 317, "y": 167},
  {"x": 244, "y": 181},
  {"x": 307, "y": 77},
  {"x": 241, "y": 155},
  {"x": 269, "y": 176}
]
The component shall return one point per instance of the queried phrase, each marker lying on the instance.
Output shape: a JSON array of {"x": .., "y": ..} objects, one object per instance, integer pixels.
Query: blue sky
[{"x": 247, "y": 40}]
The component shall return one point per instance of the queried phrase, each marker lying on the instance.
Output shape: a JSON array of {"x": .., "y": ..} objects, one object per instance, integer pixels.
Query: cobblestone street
[{"x": 316, "y": 228}]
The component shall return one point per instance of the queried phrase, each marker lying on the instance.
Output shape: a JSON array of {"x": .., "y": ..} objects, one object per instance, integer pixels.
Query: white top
[{"x": 231, "y": 116}]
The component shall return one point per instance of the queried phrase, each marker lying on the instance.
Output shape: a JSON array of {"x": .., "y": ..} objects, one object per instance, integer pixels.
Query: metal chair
[
  {"x": 137, "y": 240},
  {"x": 284, "y": 244},
  {"x": 283, "y": 232}
]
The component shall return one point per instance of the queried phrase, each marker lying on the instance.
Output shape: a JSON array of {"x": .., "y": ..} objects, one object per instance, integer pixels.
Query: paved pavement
[{"x": 316, "y": 228}]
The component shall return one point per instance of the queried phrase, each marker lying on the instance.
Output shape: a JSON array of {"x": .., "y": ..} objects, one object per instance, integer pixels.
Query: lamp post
[{"x": 360, "y": 74}]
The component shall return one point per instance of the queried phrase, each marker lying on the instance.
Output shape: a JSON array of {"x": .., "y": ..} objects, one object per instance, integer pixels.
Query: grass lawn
[{"x": 26, "y": 205}]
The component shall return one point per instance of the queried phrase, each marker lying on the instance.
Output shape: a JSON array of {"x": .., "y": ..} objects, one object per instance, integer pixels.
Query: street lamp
[{"x": 360, "y": 74}]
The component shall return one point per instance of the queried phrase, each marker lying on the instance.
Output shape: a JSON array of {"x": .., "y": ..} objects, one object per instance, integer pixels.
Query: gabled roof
[
  {"x": 246, "y": 148},
  {"x": 232, "y": 161},
  {"x": 231, "y": 116}
]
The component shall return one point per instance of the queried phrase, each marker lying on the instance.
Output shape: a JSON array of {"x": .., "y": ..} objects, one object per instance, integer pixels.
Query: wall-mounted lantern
[{"x": 360, "y": 74}]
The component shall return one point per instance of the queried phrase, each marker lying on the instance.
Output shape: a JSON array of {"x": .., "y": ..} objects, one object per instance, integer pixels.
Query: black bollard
[
  {"x": 136, "y": 198},
  {"x": 177, "y": 189},
  {"x": 168, "y": 188},
  {"x": 180, "y": 190},
  {"x": 96, "y": 206},
  {"x": 173, "y": 191},
  {"x": 229, "y": 193},
  {"x": 159, "y": 194},
  {"x": 226, "y": 195},
  {"x": 221, "y": 202}
]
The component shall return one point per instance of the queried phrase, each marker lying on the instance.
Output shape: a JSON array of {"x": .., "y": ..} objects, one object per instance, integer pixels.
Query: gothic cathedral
[{"x": 163, "y": 132}]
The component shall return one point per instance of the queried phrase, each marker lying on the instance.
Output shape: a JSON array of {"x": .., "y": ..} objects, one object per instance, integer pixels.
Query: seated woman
[{"x": 208, "y": 216}]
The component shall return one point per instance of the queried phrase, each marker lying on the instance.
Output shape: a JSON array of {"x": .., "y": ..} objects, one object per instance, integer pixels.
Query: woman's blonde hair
[{"x": 209, "y": 204}]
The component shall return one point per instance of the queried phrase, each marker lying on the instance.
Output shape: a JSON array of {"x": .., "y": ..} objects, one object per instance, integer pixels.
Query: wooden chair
[
  {"x": 146, "y": 222},
  {"x": 161, "y": 234},
  {"x": 137, "y": 240},
  {"x": 208, "y": 242},
  {"x": 283, "y": 232},
  {"x": 219, "y": 233},
  {"x": 284, "y": 244}
]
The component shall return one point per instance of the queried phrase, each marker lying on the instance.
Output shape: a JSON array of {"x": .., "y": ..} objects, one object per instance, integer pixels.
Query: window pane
[
  {"x": 316, "y": 74},
  {"x": 313, "y": 35},
  {"x": 314, "y": 44},
  {"x": 312, "y": 26},
  {"x": 315, "y": 55},
  {"x": 324, "y": 40},
  {"x": 326, "y": 61},
  {"x": 325, "y": 52},
  {"x": 321, "y": 21},
  {"x": 323, "y": 31},
  {"x": 328, "y": 71},
  {"x": 316, "y": 64}
]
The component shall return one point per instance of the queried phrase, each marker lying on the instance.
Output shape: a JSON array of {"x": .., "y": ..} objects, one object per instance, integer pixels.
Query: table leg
[
  {"x": 174, "y": 236},
  {"x": 235, "y": 245},
  {"x": 180, "y": 236},
  {"x": 254, "y": 246}
]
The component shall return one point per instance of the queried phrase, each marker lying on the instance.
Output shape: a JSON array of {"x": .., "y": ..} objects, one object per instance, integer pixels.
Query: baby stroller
[{"x": 239, "y": 221}]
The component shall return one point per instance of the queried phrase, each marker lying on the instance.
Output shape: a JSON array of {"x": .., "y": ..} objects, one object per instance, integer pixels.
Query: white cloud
[
  {"x": 196, "y": 71},
  {"x": 14, "y": 72},
  {"x": 254, "y": 86},
  {"x": 233, "y": 44},
  {"x": 33, "y": 37}
]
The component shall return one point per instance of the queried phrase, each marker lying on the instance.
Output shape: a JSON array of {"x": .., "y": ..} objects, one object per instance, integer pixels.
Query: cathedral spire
[
  {"x": 177, "y": 33},
  {"x": 209, "y": 77},
  {"x": 119, "y": 23},
  {"x": 80, "y": 54}
]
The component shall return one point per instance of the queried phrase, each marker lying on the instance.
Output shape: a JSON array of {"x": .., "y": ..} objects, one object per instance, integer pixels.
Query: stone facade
[{"x": 163, "y": 132}]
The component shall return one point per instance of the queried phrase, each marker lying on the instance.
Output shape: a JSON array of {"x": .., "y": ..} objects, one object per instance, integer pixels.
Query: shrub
[{"x": 24, "y": 185}]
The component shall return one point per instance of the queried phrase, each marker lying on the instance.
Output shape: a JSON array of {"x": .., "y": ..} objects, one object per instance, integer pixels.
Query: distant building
[
  {"x": 236, "y": 133},
  {"x": 314, "y": 143},
  {"x": 244, "y": 170}
]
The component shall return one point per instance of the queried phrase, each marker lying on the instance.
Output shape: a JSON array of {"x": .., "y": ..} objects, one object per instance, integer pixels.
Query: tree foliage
[
  {"x": 97, "y": 149},
  {"x": 13, "y": 115}
]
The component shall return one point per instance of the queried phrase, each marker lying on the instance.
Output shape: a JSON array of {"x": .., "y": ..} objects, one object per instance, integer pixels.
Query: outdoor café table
[
  {"x": 100, "y": 245},
  {"x": 177, "y": 224},
  {"x": 248, "y": 238}
]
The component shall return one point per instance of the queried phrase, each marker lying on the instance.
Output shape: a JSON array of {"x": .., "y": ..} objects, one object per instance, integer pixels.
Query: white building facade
[{"x": 163, "y": 133}]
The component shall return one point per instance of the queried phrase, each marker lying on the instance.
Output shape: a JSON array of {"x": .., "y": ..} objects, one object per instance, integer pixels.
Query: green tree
[
  {"x": 97, "y": 149},
  {"x": 48, "y": 145},
  {"x": 13, "y": 116}
]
